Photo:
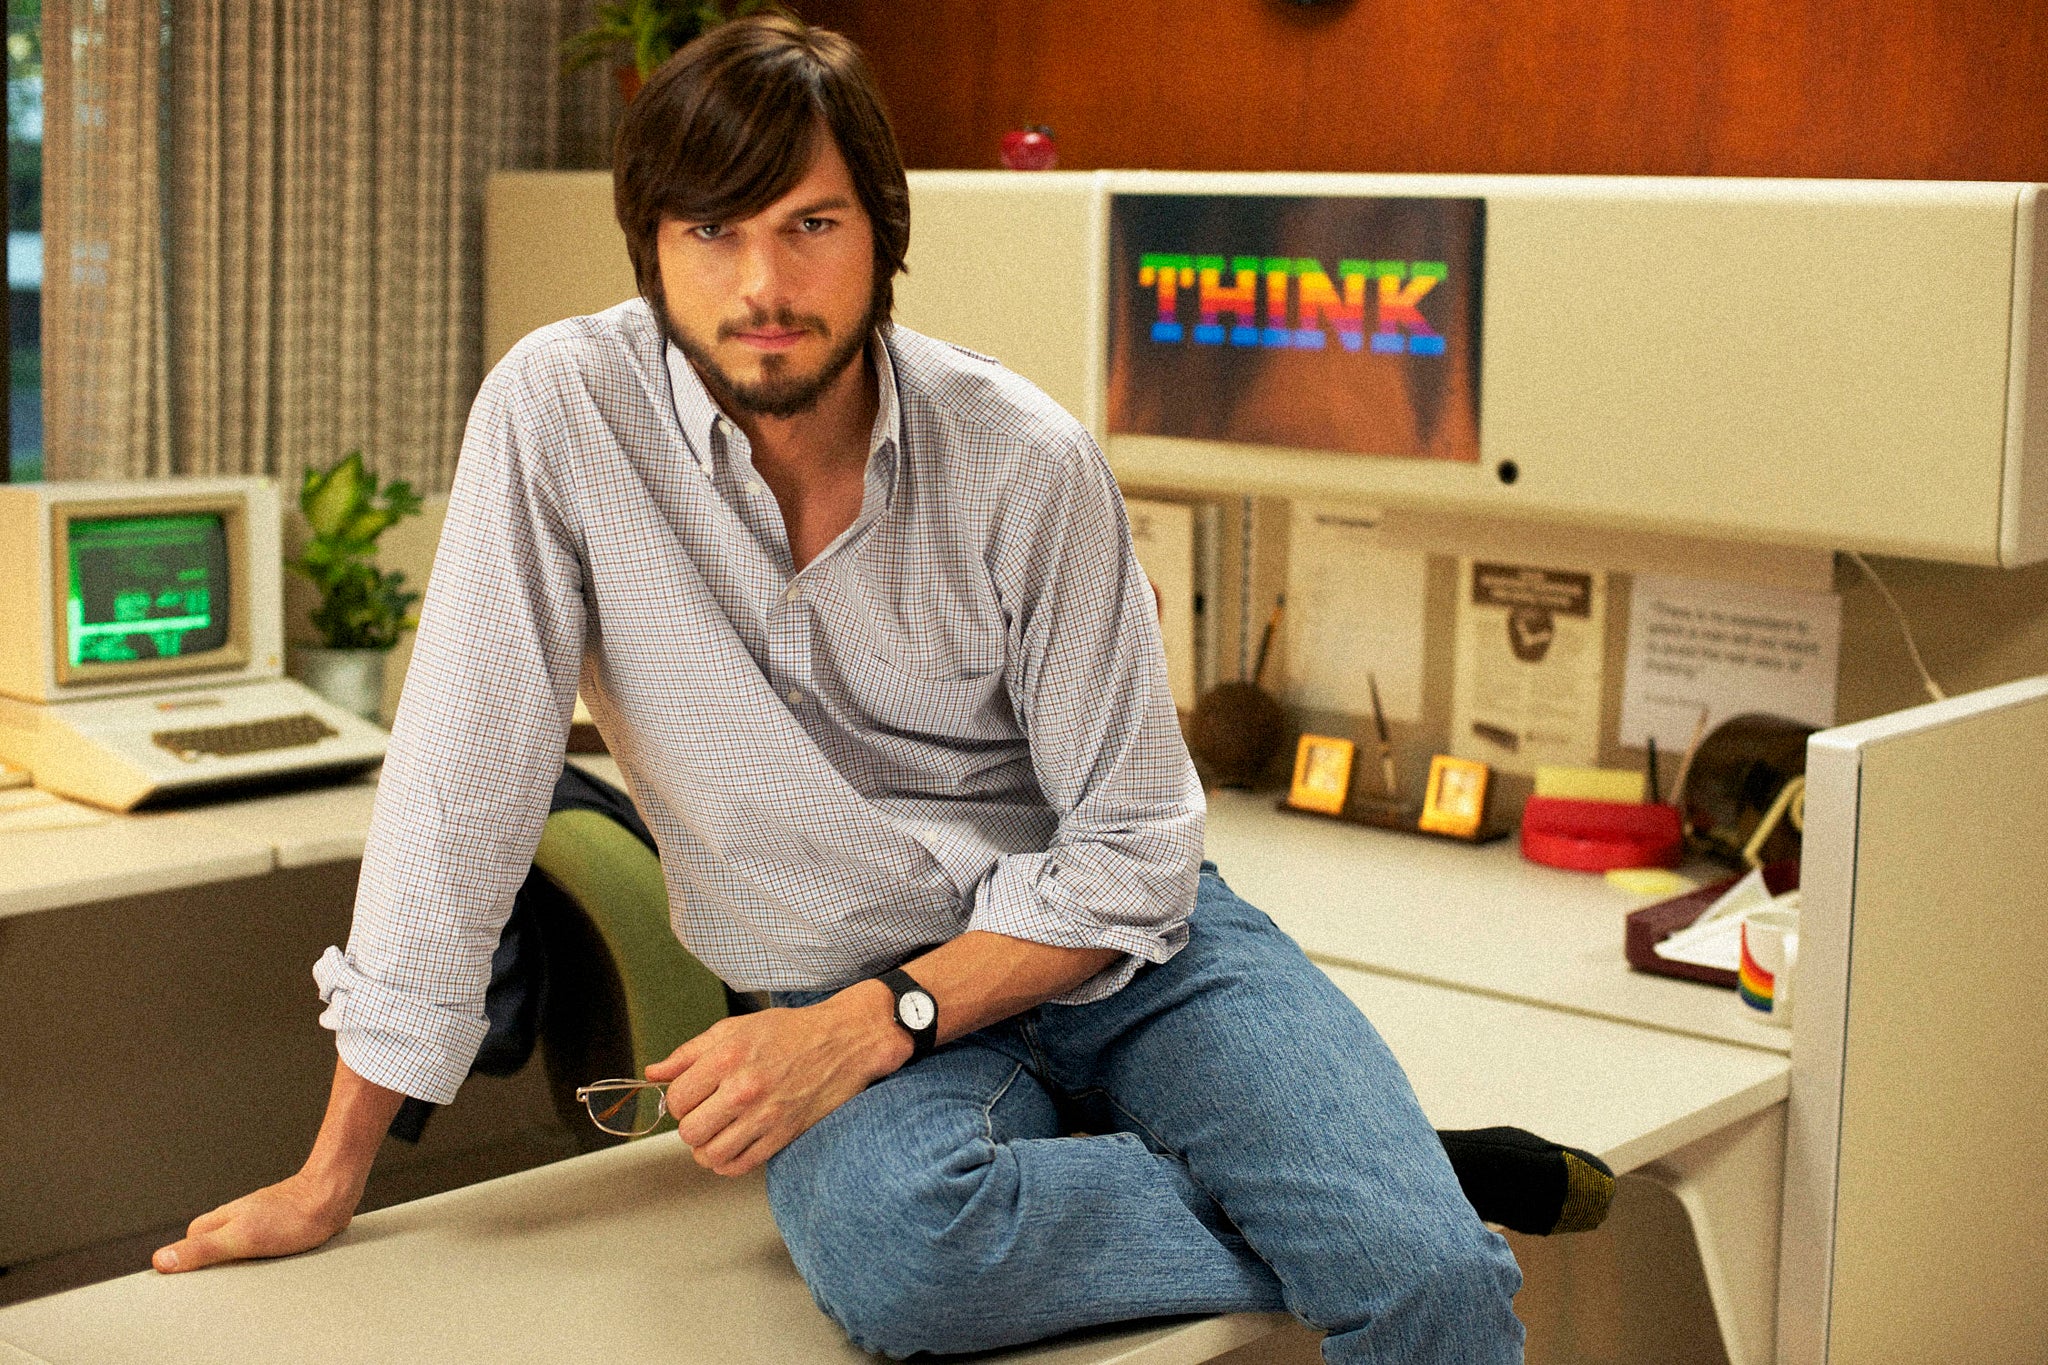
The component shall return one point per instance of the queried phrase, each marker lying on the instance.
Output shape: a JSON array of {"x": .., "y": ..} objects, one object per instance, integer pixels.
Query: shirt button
[
  {"x": 796, "y": 695},
  {"x": 789, "y": 594},
  {"x": 754, "y": 488}
]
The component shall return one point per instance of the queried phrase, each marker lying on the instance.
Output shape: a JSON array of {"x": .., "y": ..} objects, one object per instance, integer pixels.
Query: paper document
[
  {"x": 1163, "y": 534},
  {"x": 1715, "y": 938},
  {"x": 1729, "y": 647},
  {"x": 1531, "y": 645},
  {"x": 1354, "y": 606}
]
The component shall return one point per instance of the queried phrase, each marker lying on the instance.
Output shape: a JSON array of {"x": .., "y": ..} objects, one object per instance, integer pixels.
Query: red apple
[{"x": 1030, "y": 148}]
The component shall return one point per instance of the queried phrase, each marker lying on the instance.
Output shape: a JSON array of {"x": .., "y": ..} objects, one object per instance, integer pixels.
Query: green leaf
[
  {"x": 339, "y": 496},
  {"x": 360, "y": 605}
]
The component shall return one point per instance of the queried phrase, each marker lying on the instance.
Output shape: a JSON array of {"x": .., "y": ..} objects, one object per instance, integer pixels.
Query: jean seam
[
  {"x": 1028, "y": 1030},
  {"x": 1171, "y": 1151},
  {"x": 988, "y": 1122}
]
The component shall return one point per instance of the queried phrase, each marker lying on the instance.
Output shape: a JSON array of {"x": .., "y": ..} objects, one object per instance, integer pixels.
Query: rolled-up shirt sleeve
[
  {"x": 1087, "y": 677},
  {"x": 475, "y": 750}
]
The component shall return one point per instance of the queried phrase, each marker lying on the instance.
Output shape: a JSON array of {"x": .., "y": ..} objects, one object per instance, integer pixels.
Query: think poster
[{"x": 1321, "y": 323}]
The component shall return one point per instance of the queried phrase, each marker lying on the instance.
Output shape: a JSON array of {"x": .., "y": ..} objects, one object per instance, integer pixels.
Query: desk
[
  {"x": 1479, "y": 918},
  {"x": 583, "y": 1259},
  {"x": 1446, "y": 948}
]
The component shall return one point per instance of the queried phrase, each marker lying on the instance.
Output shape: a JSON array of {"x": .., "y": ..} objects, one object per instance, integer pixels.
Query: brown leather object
[{"x": 1652, "y": 924}]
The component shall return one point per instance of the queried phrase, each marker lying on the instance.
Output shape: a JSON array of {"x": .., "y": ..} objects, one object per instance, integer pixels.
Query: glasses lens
[{"x": 628, "y": 1110}]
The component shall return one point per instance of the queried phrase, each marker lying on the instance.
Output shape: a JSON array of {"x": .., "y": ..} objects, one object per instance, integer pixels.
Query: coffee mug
[{"x": 1770, "y": 959}]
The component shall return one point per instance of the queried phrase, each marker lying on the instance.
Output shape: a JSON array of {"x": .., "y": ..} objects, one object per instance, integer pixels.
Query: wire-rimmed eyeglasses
[{"x": 626, "y": 1107}]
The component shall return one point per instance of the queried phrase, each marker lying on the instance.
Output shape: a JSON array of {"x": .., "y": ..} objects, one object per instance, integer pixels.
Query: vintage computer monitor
[{"x": 141, "y": 644}]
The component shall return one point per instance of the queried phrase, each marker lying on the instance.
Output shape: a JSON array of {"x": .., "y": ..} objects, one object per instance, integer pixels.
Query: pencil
[
  {"x": 1379, "y": 721},
  {"x": 1266, "y": 640}
]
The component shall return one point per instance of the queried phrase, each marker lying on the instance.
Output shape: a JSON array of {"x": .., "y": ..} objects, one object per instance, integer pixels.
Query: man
[{"x": 859, "y": 614}]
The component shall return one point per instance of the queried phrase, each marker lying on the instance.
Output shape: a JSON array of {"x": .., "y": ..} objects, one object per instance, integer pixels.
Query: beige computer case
[{"x": 1834, "y": 364}]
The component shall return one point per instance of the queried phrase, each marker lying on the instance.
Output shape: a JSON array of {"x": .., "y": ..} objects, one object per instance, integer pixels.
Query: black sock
[{"x": 1524, "y": 1182}]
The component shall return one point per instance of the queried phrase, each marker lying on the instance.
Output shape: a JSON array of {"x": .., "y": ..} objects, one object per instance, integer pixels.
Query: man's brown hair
[{"x": 726, "y": 126}]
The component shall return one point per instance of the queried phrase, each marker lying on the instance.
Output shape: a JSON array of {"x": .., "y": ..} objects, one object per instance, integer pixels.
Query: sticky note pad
[
  {"x": 1621, "y": 785},
  {"x": 1650, "y": 881}
]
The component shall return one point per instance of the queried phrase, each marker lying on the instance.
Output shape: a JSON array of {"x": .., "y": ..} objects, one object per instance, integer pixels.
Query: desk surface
[
  {"x": 125, "y": 856},
  {"x": 636, "y": 1254},
  {"x": 1481, "y": 918},
  {"x": 631, "y": 1254}
]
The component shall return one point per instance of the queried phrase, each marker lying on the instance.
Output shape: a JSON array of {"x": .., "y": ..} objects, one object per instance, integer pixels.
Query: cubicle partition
[{"x": 1915, "y": 1195}]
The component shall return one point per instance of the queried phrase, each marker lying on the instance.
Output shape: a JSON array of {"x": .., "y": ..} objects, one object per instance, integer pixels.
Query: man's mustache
[{"x": 785, "y": 318}]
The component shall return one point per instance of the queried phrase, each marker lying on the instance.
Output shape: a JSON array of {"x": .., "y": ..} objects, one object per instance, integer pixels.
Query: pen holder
[{"x": 1594, "y": 836}]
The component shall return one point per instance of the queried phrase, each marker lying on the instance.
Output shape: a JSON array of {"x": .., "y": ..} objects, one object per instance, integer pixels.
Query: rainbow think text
[{"x": 1320, "y": 305}]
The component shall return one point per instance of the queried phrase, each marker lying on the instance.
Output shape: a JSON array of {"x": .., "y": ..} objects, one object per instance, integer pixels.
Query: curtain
[
  {"x": 105, "y": 341},
  {"x": 319, "y": 169}
]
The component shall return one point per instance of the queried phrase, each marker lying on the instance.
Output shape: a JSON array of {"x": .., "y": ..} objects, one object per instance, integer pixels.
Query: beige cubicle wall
[
  {"x": 1835, "y": 364},
  {"x": 1914, "y": 1198}
]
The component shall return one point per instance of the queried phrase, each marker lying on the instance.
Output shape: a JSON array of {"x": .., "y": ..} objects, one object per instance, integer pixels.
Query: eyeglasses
[{"x": 628, "y": 1108}]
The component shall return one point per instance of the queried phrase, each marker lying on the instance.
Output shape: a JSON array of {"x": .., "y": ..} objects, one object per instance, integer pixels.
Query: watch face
[{"x": 916, "y": 1010}]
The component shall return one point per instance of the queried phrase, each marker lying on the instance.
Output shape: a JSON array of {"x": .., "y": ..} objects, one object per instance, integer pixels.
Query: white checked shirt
[{"x": 956, "y": 717}]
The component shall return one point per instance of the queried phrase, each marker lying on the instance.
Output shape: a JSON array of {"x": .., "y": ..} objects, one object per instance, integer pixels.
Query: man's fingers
[
  {"x": 689, "y": 1091},
  {"x": 706, "y": 1118},
  {"x": 208, "y": 1222},
  {"x": 721, "y": 1150},
  {"x": 679, "y": 1061},
  {"x": 755, "y": 1156},
  {"x": 193, "y": 1253}
]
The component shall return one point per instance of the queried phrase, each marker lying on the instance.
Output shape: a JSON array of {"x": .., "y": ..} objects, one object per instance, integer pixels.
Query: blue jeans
[{"x": 1255, "y": 1147}]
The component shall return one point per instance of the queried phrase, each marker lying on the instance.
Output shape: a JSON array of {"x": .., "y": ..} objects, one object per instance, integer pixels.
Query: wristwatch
[{"x": 915, "y": 1011}]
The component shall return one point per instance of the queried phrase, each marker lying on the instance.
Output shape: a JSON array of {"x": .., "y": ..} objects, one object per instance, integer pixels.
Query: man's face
[{"x": 772, "y": 309}]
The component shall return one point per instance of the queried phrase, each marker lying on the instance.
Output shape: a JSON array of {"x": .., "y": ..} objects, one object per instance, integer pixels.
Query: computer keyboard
[{"x": 246, "y": 737}]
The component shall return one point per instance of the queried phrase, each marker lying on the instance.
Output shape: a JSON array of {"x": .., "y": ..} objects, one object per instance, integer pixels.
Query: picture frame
[
  {"x": 1455, "y": 801},
  {"x": 1322, "y": 774}
]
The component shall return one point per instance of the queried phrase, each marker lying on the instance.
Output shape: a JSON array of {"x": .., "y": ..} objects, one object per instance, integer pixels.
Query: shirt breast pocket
[{"x": 932, "y": 666}]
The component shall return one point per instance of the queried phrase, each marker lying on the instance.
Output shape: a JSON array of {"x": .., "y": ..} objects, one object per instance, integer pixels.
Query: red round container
[{"x": 1594, "y": 836}]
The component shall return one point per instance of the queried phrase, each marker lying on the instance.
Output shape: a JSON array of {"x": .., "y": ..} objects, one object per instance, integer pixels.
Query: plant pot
[
  {"x": 628, "y": 77},
  {"x": 352, "y": 679}
]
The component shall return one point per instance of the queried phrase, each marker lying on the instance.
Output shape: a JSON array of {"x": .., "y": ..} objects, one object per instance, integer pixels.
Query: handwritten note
[{"x": 1728, "y": 647}]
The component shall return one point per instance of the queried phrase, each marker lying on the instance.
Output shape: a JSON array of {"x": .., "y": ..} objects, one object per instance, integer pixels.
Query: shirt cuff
[
  {"x": 396, "y": 1040},
  {"x": 1020, "y": 900}
]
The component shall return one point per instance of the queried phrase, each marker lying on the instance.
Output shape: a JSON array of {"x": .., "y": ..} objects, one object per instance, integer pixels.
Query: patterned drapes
[{"x": 288, "y": 197}]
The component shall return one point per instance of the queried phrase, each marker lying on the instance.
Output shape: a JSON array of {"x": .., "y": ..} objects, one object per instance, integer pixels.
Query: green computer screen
[{"x": 150, "y": 587}]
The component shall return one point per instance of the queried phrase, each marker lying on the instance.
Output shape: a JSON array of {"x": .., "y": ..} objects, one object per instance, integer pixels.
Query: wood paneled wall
[{"x": 1942, "y": 89}]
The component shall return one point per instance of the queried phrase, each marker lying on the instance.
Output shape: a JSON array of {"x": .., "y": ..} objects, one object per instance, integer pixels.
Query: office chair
[{"x": 622, "y": 992}]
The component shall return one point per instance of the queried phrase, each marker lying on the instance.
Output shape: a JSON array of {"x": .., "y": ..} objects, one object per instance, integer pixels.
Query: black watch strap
[{"x": 916, "y": 1012}]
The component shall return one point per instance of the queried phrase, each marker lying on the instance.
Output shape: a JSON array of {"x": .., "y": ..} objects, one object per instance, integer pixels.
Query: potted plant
[
  {"x": 362, "y": 608},
  {"x": 650, "y": 31}
]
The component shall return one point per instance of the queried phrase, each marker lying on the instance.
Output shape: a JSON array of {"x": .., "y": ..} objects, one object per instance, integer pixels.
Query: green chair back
[{"x": 640, "y": 971}]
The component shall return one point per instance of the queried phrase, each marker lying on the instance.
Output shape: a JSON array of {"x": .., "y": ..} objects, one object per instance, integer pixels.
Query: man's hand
[
  {"x": 748, "y": 1086},
  {"x": 296, "y": 1214},
  {"x": 300, "y": 1213}
]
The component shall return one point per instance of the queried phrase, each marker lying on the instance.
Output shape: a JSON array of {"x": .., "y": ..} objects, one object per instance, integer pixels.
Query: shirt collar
[{"x": 700, "y": 415}]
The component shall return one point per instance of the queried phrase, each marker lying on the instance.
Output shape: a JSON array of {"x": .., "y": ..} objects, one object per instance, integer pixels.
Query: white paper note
[
  {"x": 1728, "y": 647},
  {"x": 1354, "y": 606},
  {"x": 1163, "y": 534},
  {"x": 1531, "y": 646}
]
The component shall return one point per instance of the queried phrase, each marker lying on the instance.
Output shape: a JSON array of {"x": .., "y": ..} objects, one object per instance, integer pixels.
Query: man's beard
[{"x": 777, "y": 393}]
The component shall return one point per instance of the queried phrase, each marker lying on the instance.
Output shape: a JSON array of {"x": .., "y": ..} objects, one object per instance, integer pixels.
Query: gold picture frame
[
  {"x": 1322, "y": 774},
  {"x": 1455, "y": 802}
]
